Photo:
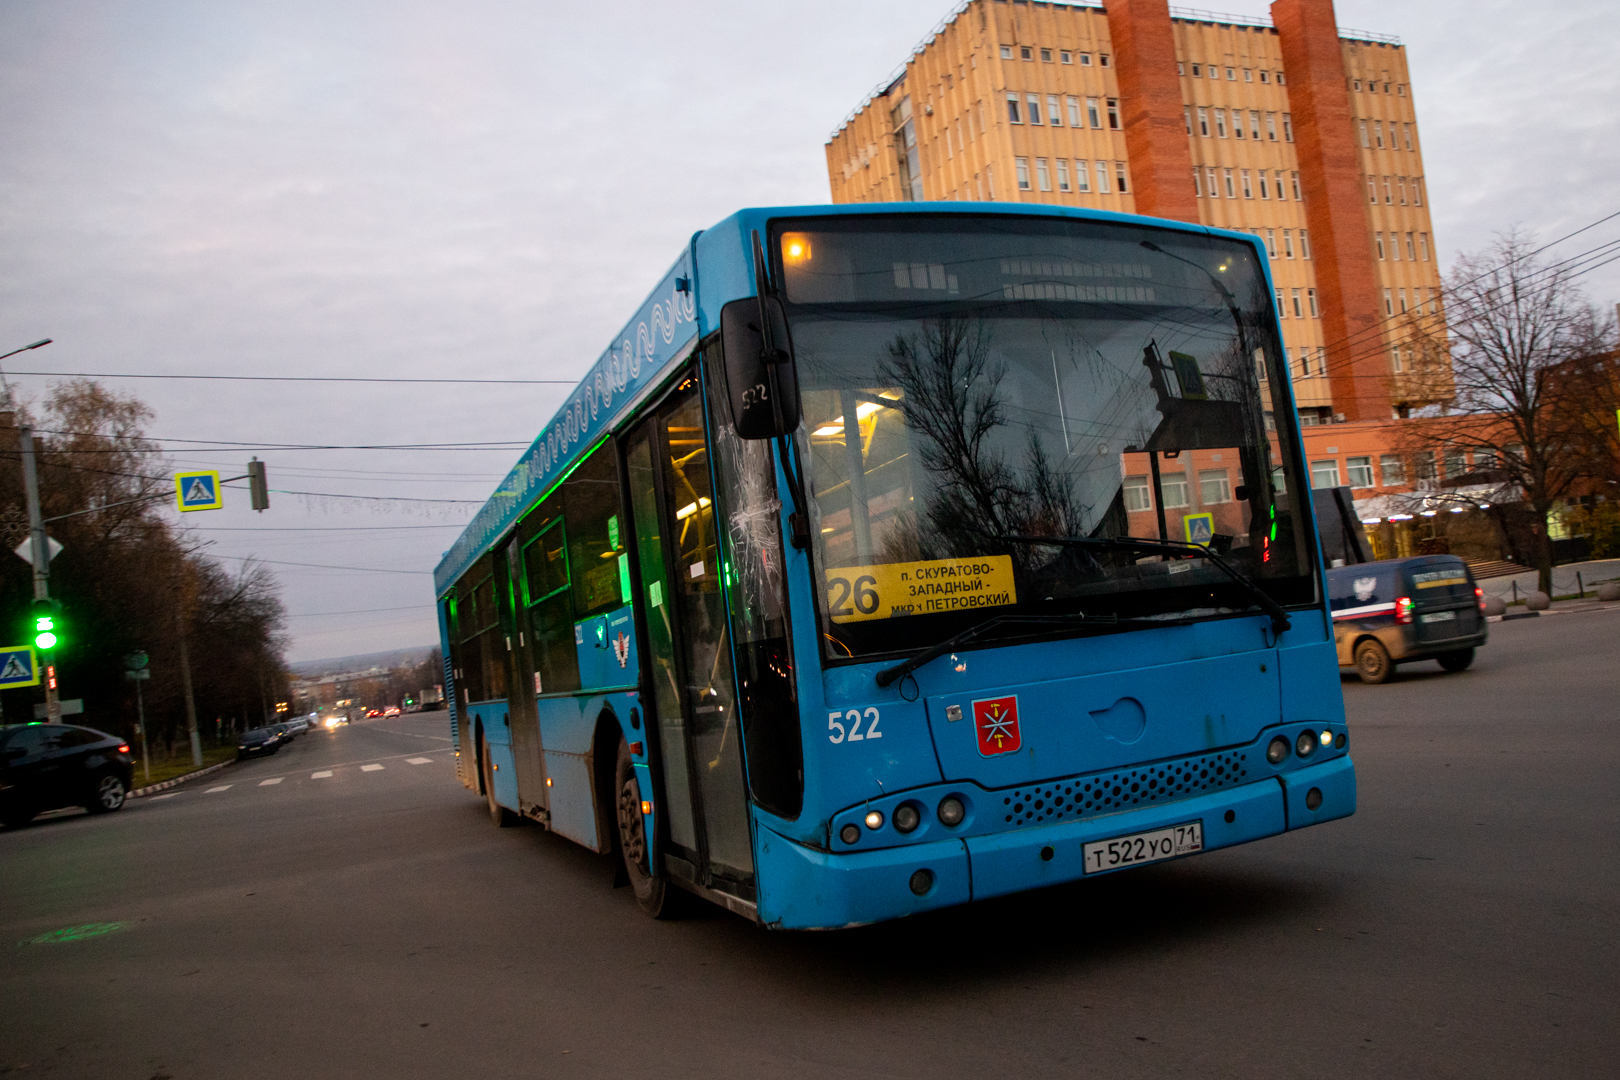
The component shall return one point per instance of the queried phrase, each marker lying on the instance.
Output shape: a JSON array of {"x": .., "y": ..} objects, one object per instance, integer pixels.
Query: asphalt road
[{"x": 375, "y": 924}]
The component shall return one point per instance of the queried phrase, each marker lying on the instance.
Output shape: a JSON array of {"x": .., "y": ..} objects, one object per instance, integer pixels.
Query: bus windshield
[{"x": 968, "y": 380}]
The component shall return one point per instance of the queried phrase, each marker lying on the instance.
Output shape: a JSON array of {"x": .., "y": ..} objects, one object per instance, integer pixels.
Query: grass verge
[{"x": 179, "y": 765}]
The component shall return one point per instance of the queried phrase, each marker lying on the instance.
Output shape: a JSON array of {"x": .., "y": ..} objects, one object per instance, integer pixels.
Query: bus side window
[
  {"x": 596, "y": 543},
  {"x": 551, "y": 612}
]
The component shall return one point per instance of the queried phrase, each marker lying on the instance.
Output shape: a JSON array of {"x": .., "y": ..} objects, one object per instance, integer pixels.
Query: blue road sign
[
  {"x": 1200, "y": 528},
  {"x": 198, "y": 491},
  {"x": 19, "y": 666}
]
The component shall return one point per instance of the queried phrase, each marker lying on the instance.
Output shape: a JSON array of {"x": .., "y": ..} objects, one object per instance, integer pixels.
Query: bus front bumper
[{"x": 804, "y": 888}]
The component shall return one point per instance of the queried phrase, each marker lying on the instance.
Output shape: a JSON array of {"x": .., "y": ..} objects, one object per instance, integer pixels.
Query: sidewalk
[
  {"x": 1562, "y": 607},
  {"x": 1564, "y": 580}
]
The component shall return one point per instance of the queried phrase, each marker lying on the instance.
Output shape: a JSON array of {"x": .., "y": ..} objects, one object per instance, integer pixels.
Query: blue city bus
[{"x": 898, "y": 556}]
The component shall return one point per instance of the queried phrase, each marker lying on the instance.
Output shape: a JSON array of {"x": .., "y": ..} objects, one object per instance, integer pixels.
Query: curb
[{"x": 165, "y": 785}]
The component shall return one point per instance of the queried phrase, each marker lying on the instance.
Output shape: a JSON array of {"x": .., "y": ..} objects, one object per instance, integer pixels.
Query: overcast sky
[{"x": 488, "y": 190}]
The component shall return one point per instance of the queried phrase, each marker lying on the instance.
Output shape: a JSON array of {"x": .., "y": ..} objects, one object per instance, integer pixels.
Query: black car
[
  {"x": 48, "y": 766},
  {"x": 259, "y": 740}
]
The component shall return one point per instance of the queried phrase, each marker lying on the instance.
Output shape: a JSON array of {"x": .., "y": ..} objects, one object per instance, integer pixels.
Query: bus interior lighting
[
  {"x": 951, "y": 811},
  {"x": 1277, "y": 751},
  {"x": 874, "y": 819},
  {"x": 1305, "y": 743}
]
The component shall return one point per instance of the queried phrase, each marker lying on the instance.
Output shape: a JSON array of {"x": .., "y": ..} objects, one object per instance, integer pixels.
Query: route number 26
[{"x": 854, "y": 716}]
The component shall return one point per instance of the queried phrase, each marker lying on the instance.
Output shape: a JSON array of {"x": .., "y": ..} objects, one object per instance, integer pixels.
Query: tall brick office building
[{"x": 1295, "y": 130}]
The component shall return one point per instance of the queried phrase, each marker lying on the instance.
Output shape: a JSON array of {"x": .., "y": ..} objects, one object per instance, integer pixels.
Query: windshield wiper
[
  {"x": 1076, "y": 618},
  {"x": 1279, "y": 618}
]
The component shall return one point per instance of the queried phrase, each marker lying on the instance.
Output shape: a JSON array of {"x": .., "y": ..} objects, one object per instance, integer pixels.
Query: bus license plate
[
  {"x": 1144, "y": 847},
  {"x": 1440, "y": 616}
]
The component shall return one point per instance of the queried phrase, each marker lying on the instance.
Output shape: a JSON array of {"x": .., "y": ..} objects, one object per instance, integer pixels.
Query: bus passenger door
[
  {"x": 524, "y": 716},
  {"x": 689, "y": 654}
]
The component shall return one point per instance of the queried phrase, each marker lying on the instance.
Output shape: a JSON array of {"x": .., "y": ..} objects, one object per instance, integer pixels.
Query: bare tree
[{"x": 1518, "y": 325}]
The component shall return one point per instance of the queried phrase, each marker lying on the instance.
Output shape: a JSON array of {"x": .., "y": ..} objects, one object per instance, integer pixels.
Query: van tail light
[
  {"x": 1403, "y": 610},
  {"x": 1479, "y": 597},
  {"x": 123, "y": 748}
]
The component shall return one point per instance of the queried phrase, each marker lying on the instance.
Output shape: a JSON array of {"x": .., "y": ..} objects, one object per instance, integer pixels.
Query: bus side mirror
[{"x": 762, "y": 384}]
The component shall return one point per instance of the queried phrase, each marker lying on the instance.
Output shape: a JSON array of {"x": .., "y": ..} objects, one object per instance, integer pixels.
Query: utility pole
[
  {"x": 42, "y": 565},
  {"x": 185, "y": 669}
]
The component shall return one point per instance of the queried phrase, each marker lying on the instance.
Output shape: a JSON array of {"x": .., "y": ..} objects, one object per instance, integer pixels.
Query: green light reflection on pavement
[{"x": 75, "y": 933}]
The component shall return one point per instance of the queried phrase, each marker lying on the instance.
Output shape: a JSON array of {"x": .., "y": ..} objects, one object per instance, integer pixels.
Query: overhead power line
[{"x": 293, "y": 378}]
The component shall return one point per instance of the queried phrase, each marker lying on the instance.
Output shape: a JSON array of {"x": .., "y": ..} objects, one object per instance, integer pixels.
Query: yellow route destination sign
[{"x": 890, "y": 590}]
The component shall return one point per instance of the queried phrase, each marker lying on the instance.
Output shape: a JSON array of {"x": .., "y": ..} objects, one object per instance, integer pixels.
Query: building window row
[
  {"x": 1110, "y": 176},
  {"x": 1214, "y": 71},
  {"x": 1398, "y": 296},
  {"x": 1206, "y": 115},
  {"x": 1373, "y": 135},
  {"x": 1061, "y": 56},
  {"x": 1028, "y": 108},
  {"x": 1399, "y": 89},
  {"x": 1299, "y": 302},
  {"x": 1395, "y": 187},
  {"x": 1416, "y": 244},
  {"x": 1309, "y": 366},
  {"x": 1214, "y": 488},
  {"x": 1210, "y": 181}
]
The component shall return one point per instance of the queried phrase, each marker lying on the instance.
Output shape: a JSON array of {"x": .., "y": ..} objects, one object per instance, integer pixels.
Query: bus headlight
[
  {"x": 906, "y": 817},
  {"x": 874, "y": 819},
  {"x": 1305, "y": 743},
  {"x": 849, "y": 834},
  {"x": 1277, "y": 751},
  {"x": 951, "y": 811}
]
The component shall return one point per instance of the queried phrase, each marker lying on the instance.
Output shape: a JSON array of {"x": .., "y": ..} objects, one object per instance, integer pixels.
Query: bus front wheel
[
  {"x": 499, "y": 814},
  {"x": 653, "y": 894}
]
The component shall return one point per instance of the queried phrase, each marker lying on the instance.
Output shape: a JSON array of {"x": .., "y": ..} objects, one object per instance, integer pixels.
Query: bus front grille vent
[{"x": 1084, "y": 796}]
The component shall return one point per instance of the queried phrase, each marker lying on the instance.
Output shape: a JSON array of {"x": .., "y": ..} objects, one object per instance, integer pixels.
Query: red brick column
[
  {"x": 1336, "y": 208},
  {"x": 1150, "y": 99}
]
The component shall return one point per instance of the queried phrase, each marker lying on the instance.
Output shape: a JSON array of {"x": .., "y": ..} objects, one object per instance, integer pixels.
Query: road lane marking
[
  {"x": 322, "y": 775},
  {"x": 371, "y": 768},
  {"x": 272, "y": 780},
  {"x": 165, "y": 795},
  {"x": 222, "y": 787},
  {"x": 418, "y": 761}
]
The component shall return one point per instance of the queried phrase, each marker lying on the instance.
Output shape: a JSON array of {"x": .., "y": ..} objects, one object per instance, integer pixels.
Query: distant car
[
  {"x": 259, "y": 740},
  {"x": 373, "y": 712},
  {"x": 48, "y": 766},
  {"x": 334, "y": 720},
  {"x": 392, "y": 710},
  {"x": 1403, "y": 610}
]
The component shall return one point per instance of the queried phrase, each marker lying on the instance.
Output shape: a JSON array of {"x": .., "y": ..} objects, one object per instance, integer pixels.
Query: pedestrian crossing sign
[
  {"x": 198, "y": 491},
  {"x": 19, "y": 666},
  {"x": 1200, "y": 528}
]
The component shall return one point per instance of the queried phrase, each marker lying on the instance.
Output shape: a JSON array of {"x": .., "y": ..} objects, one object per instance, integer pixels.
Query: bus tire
[
  {"x": 1456, "y": 660},
  {"x": 500, "y": 815},
  {"x": 1372, "y": 662},
  {"x": 653, "y": 894}
]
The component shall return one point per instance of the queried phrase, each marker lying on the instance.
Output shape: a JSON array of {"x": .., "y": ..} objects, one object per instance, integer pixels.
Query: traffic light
[
  {"x": 257, "y": 485},
  {"x": 45, "y": 620}
]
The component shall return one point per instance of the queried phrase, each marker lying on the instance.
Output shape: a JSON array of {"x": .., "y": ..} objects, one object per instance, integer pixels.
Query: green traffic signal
[{"x": 44, "y": 632}]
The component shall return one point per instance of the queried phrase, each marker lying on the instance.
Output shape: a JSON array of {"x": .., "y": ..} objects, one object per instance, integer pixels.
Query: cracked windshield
[{"x": 967, "y": 381}]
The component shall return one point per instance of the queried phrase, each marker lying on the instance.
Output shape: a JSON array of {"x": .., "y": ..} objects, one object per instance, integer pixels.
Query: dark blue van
[{"x": 1403, "y": 610}]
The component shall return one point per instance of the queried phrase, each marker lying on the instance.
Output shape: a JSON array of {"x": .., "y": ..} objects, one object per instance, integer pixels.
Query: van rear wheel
[
  {"x": 1457, "y": 660},
  {"x": 1373, "y": 663}
]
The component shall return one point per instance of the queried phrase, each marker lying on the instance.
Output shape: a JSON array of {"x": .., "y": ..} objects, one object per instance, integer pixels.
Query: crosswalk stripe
[
  {"x": 272, "y": 780},
  {"x": 419, "y": 760},
  {"x": 322, "y": 775},
  {"x": 222, "y": 787},
  {"x": 371, "y": 768}
]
